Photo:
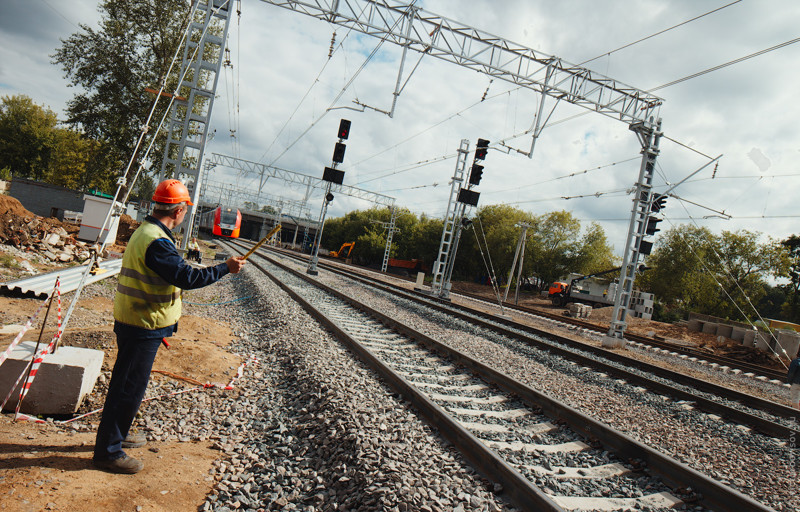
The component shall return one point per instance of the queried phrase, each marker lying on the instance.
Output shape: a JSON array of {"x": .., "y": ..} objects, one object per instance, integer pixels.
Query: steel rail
[
  {"x": 722, "y": 360},
  {"x": 524, "y": 494},
  {"x": 511, "y": 329},
  {"x": 755, "y": 369},
  {"x": 673, "y": 472}
]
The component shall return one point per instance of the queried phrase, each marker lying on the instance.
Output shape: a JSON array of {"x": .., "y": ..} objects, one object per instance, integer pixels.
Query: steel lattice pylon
[
  {"x": 443, "y": 266},
  {"x": 191, "y": 109}
]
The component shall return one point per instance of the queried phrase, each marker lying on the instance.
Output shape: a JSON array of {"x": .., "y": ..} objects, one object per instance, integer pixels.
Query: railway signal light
[
  {"x": 482, "y": 149},
  {"x": 329, "y": 197},
  {"x": 645, "y": 247},
  {"x": 476, "y": 174},
  {"x": 468, "y": 197},
  {"x": 338, "y": 153},
  {"x": 333, "y": 175},
  {"x": 652, "y": 223},
  {"x": 659, "y": 203},
  {"x": 344, "y": 129}
]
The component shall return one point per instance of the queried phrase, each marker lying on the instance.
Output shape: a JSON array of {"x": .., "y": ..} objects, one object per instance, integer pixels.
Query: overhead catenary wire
[
  {"x": 338, "y": 96},
  {"x": 659, "y": 32}
]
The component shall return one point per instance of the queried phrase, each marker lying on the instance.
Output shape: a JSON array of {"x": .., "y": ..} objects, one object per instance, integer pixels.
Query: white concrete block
[{"x": 62, "y": 382}]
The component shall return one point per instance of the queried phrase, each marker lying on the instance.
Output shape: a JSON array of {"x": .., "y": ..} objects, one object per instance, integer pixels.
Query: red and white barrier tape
[
  {"x": 37, "y": 362},
  {"x": 36, "y": 357},
  {"x": 25, "y": 328},
  {"x": 239, "y": 372}
]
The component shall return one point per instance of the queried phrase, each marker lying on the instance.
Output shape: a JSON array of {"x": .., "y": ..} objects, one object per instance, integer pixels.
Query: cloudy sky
[{"x": 286, "y": 88}]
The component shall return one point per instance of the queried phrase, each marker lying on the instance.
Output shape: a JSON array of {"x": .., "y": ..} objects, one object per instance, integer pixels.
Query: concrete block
[
  {"x": 694, "y": 325},
  {"x": 763, "y": 340},
  {"x": 612, "y": 342},
  {"x": 724, "y": 330},
  {"x": 710, "y": 328},
  {"x": 788, "y": 341},
  {"x": 737, "y": 334},
  {"x": 62, "y": 382},
  {"x": 749, "y": 338}
]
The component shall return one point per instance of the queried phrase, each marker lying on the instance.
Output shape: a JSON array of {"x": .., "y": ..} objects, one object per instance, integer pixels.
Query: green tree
[
  {"x": 494, "y": 229},
  {"x": 594, "y": 253},
  {"x": 555, "y": 245},
  {"x": 131, "y": 50},
  {"x": 27, "y": 137},
  {"x": 32, "y": 145},
  {"x": 676, "y": 265},
  {"x": 722, "y": 275}
]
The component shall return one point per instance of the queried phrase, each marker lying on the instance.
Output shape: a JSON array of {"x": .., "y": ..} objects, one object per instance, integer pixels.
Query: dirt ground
[{"x": 48, "y": 467}]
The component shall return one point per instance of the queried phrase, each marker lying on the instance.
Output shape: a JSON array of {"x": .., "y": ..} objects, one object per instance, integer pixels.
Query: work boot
[
  {"x": 124, "y": 465},
  {"x": 134, "y": 441}
]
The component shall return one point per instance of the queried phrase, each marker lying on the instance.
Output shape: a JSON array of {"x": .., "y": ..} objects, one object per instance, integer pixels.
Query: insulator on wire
[{"x": 333, "y": 43}]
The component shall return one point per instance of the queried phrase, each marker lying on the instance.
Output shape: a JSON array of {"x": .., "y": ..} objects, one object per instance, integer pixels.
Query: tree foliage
[
  {"x": 723, "y": 275},
  {"x": 33, "y": 146},
  {"x": 131, "y": 50},
  {"x": 791, "y": 307},
  {"x": 554, "y": 247}
]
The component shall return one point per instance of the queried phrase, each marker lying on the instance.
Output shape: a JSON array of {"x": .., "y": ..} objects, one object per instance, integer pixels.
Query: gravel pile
[{"x": 756, "y": 465}]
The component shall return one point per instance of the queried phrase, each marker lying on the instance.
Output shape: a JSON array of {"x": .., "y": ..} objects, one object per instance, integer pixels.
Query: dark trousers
[{"x": 125, "y": 393}]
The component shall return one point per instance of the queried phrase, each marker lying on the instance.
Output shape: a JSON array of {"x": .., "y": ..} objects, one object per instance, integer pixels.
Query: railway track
[
  {"x": 755, "y": 369},
  {"x": 722, "y": 361},
  {"x": 765, "y": 416},
  {"x": 546, "y": 455}
]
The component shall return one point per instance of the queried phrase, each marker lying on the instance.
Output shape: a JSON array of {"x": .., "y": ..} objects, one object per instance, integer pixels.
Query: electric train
[{"x": 222, "y": 221}]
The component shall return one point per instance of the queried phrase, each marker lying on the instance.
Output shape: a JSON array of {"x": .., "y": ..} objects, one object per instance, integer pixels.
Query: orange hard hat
[{"x": 171, "y": 192}]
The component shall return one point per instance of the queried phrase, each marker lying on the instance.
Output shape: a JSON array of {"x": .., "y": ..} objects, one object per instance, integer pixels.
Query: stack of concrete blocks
[
  {"x": 642, "y": 304},
  {"x": 779, "y": 340},
  {"x": 577, "y": 310}
]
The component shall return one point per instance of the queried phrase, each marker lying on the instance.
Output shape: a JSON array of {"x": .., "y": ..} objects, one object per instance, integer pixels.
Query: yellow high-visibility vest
[{"x": 144, "y": 299}]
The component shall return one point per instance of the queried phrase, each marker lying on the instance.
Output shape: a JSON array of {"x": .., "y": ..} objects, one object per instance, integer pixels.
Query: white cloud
[{"x": 730, "y": 111}]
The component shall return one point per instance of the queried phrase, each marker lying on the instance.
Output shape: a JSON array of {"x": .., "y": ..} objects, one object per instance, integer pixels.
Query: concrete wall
[{"x": 43, "y": 199}]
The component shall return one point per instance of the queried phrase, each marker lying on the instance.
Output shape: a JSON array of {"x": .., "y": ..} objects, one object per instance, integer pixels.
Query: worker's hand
[{"x": 235, "y": 264}]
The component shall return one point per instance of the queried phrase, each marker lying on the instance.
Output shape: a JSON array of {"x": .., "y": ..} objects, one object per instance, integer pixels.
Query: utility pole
[{"x": 519, "y": 253}]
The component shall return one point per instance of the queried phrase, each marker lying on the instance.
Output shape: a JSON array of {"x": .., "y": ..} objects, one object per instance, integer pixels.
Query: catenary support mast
[
  {"x": 649, "y": 136},
  {"x": 191, "y": 111}
]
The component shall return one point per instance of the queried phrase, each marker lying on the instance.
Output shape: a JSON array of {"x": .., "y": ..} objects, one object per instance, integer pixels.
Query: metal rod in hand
[{"x": 269, "y": 235}]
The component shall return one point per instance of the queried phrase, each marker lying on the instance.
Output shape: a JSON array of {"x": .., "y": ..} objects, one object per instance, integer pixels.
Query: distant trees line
[{"x": 730, "y": 275}]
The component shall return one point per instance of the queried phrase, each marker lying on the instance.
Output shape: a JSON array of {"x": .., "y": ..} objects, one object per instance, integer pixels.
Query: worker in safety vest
[
  {"x": 194, "y": 250},
  {"x": 147, "y": 307}
]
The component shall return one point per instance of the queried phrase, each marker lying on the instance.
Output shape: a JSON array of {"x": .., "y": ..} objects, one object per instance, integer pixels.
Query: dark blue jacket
[
  {"x": 163, "y": 258},
  {"x": 793, "y": 377}
]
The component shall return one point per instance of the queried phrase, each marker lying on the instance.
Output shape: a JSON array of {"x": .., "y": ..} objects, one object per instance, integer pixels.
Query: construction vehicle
[
  {"x": 593, "y": 293},
  {"x": 340, "y": 253}
]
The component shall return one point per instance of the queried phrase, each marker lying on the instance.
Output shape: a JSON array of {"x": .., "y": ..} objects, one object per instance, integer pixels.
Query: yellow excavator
[{"x": 340, "y": 253}]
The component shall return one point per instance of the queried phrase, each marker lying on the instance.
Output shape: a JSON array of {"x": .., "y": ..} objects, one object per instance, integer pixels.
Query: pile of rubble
[{"x": 50, "y": 238}]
